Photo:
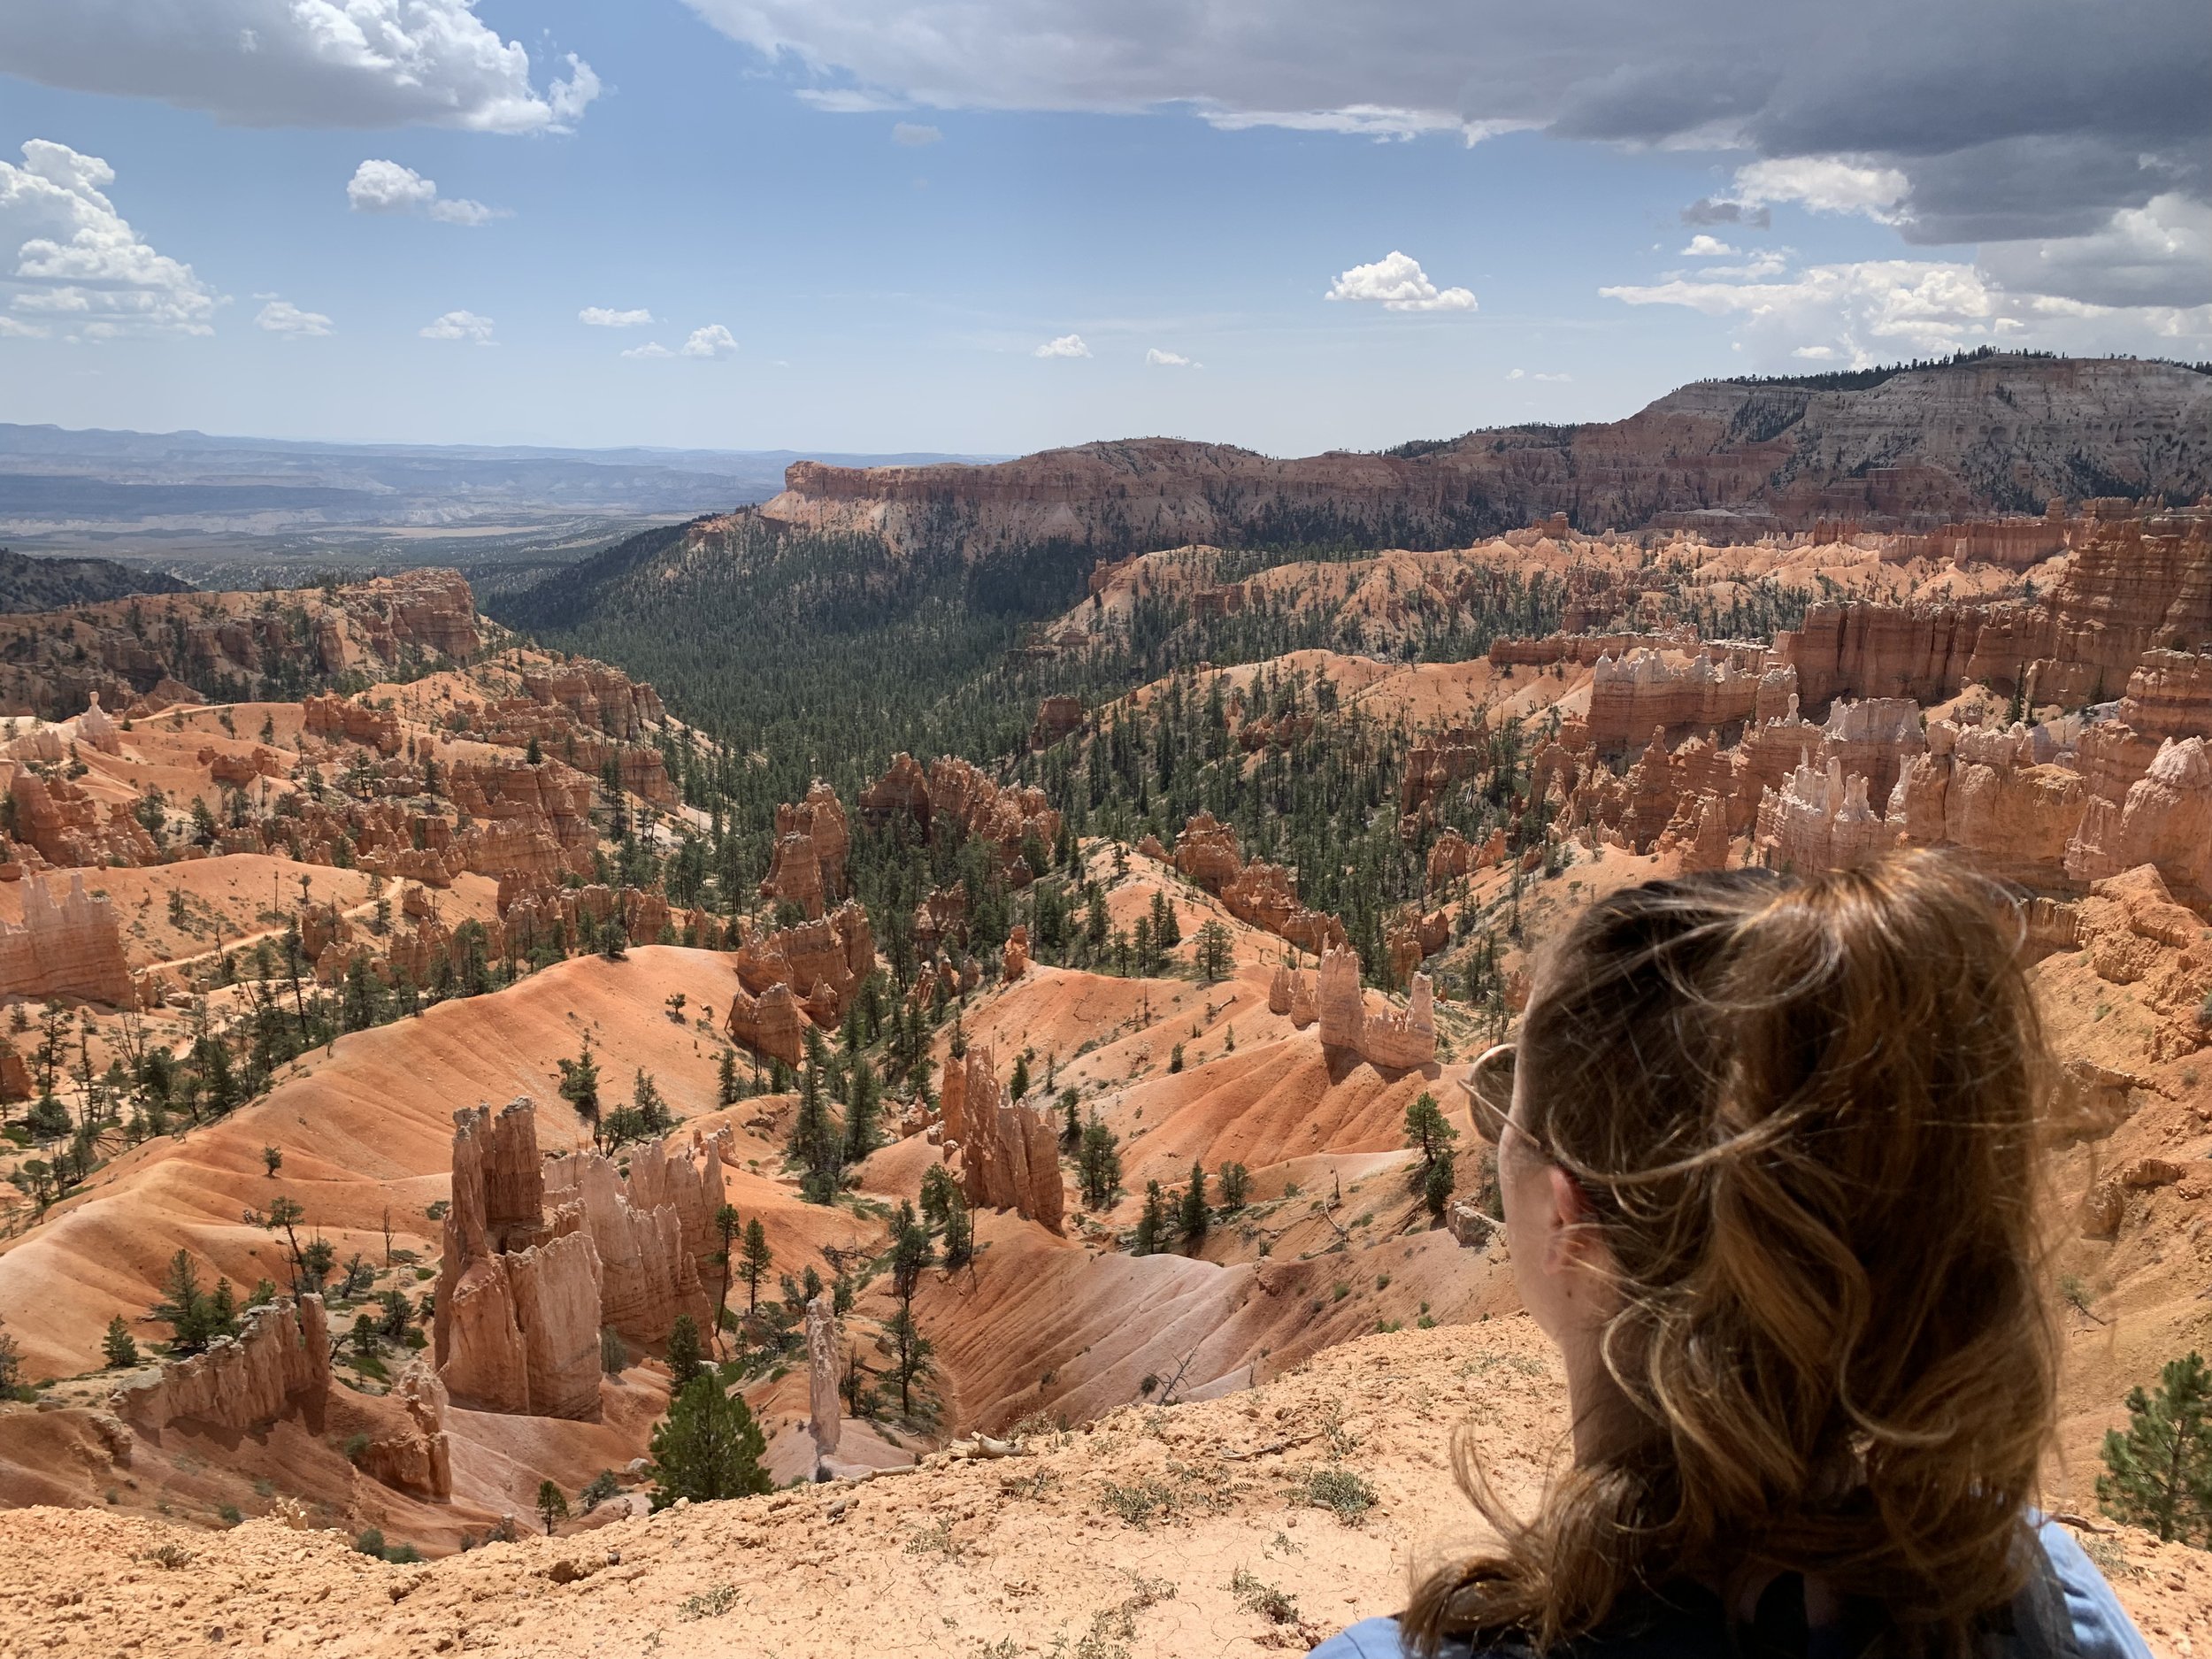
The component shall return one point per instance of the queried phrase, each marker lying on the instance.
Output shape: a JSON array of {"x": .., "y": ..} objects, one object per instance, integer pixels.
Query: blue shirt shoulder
[{"x": 2102, "y": 1628}]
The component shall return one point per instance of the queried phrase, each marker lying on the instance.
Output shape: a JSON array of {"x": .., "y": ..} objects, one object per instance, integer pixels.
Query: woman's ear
[{"x": 1567, "y": 1241}]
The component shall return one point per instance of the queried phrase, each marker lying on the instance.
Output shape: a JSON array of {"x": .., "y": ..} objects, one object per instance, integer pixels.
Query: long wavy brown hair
[{"x": 1805, "y": 1115}]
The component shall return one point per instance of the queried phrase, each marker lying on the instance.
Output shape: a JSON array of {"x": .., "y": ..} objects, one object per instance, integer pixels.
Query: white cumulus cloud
[
  {"x": 650, "y": 349},
  {"x": 1523, "y": 374},
  {"x": 1065, "y": 346},
  {"x": 79, "y": 262},
  {"x": 282, "y": 316},
  {"x": 1704, "y": 247},
  {"x": 1160, "y": 359},
  {"x": 459, "y": 325},
  {"x": 913, "y": 135},
  {"x": 1875, "y": 310},
  {"x": 386, "y": 187},
  {"x": 1398, "y": 284},
  {"x": 604, "y": 317},
  {"x": 297, "y": 63},
  {"x": 1826, "y": 184},
  {"x": 714, "y": 340}
]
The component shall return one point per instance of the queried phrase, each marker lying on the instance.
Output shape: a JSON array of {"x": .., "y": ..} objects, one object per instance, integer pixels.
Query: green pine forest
[{"x": 804, "y": 654}]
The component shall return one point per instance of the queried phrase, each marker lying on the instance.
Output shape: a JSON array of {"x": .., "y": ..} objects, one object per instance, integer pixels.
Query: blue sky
[{"x": 890, "y": 212}]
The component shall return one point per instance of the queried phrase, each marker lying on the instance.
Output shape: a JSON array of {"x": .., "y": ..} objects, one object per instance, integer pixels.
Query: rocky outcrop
[
  {"x": 596, "y": 697},
  {"x": 277, "y": 1362},
  {"x": 955, "y": 791},
  {"x": 517, "y": 1300},
  {"x": 522, "y": 820},
  {"x": 685, "y": 1175},
  {"x": 1014, "y": 960},
  {"x": 1261, "y": 894},
  {"x": 417, "y": 1456},
  {"x": 2165, "y": 822},
  {"x": 825, "y": 1410},
  {"x": 69, "y": 828},
  {"x": 811, "y": 840},
  {"x": 1056, "y": 718},
  {"x": 1985, "y": 789},
  {"x": 1820, "y": 820},
  {"x": 73, "y": 947},
  {"x": 1010, "y": 1153},
  {"x": 647, "y": 1274},
  {"x": 1396, "y": 1040},
  {"x": 154, "y": 649},
  {"x": 2134, "y": 584},
  {"x": 337, "y": 720},
  {"x": 1434, "y": 762},
  {"x": 1207, "y": 854},
  {"x": 2134, "y": 933},
  {"x": 1632, "y": 695},
  {"x": 1920, "y": 653},
  {"x": 821, "y": 961},
  {"x": 772, "y": 1022},
  {"x": 1451, "y": 856}
]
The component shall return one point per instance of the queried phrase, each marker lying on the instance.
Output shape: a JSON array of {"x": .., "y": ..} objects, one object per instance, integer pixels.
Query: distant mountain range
[
  {"x": 1986, "y": 433},
  {"x": 54, "y": 482}
]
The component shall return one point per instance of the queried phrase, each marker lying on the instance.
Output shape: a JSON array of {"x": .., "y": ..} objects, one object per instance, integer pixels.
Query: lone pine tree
[{"x": 2160, "y": 1471}]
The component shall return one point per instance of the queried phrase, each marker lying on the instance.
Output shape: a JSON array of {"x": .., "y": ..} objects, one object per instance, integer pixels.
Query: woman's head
[{"x": 1772, "y": 1156}]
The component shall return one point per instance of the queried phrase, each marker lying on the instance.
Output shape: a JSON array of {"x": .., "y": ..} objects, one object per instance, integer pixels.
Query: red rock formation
[
  {"x": 1401, "y": 1041},
  {"x": 340, "y": 720},
  {"x": 1706, "y": 844},
  {"x": 820, "y": 960},
  {"x": 771, "y": 1023},
  {"x": 2135, "y": 934},
  {"x": 69, "y": 828},
  {"x": 648, "y": 1272},
  {"x": 1263, "y": 895},
  {"x": 523, "y": 820},
  {"x": 597, "y": 697},
  {"x": 417, "y": 1455},
  {"x": 1919, "y": 652},
  {"x": 2165, "y": 822},
  {"x": 1631, "y": 696},
  {"x": 1820, "y": 820},
  {"x": 279, "y": 1361},
  {"x": 1056, "y": 718},
  {"x": 1207, "y": 852},
  {"x": 811, "y": 840},
  {"x": 957, "y": 790},
  {"x": 686, "y": 1175},
  {"x": 1413, "y": 939},
  {"x": 1450, "y": 857},
  {"x": 1572, "y": 646},
  {"x": 2132, "y": 585},
  {"x": 517, "y": 1301},
  {"x": 1432, "y": 765},
  {"x": 73, "y": 948},
  {"x": 15, "y": 1077},
  {"x": 1014, "y": 961},
  {"x": 1395, "y": 1040},
  {"x": 903, "y": 788},
  {"x": 1983, "y": 790},
  {"x": 1010, "y": 1153},
  {"x": 138, "y": 652},
  {"x": 2169, "y": 694}
]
